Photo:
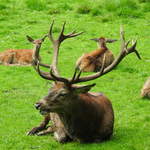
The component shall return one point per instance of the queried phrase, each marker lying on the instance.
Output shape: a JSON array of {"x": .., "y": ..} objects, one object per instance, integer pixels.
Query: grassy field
[{"x": 21, "y": 87}]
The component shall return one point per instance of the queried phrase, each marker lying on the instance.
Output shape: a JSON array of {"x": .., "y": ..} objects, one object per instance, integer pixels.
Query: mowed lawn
[{"x": 21, "y": 87}]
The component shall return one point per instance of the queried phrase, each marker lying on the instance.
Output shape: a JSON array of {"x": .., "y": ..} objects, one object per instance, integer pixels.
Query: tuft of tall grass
[
  {"x": 83, "y": 8},
  {"x": 54, "y": 10},
  {"x": 36, "y": 4},
  {"x": 96, "y": 12}
]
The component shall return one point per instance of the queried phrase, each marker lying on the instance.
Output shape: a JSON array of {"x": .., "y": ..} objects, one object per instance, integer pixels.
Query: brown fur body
[
  {"x": 92, "y": 62},
  {"x": 16, "y": 57},
  {"x": 90, "y": 120},
  {"x": 145, "y": 91},
  {"x": 86, "y": 117},
  {"x": 89, "y": 63}
]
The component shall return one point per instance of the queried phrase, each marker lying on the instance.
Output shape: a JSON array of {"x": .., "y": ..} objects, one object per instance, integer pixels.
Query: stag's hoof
[{"x": 34, "y": 131}]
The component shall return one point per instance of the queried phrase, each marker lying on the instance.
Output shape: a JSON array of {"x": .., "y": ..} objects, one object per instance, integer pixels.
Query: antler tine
[
  {"x": 43, "y": 74},
  {"x": 74, "y": 75},
  {"x": 127, "y": 43},
  {"x": 62, "y": 32},
  {"x": 50, "y": 35},
  {"x": 122, "y": 38},
  {"x": 133, "y": 49},
  {"x": 73, "y": 34},
  {"x": 79, "y": 74},
  {"x": 137, "y": 54},
  {"x": 57, "y": 78},
  {"x": 45, "y": 65},
  {"x": 44, "y": 37},
  {"x": 62, "y": 36}
]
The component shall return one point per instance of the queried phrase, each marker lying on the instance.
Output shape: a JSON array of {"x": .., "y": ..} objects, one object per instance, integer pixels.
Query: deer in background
[
  {"x": 20, "y": 56},
  {"x": 145, "y": 91},
  {"x": 92, "y": 61},
  {"x": 84, "y": 116}
]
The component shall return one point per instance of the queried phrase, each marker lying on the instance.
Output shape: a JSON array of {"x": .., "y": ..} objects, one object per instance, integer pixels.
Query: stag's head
[
  {"x": 60, "y": 97},
  {"x": 64, "y": 92}
]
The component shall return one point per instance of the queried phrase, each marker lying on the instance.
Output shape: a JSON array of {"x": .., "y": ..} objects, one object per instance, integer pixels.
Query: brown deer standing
[
  {"x": 145, "y": 91},
  {"x": 20, "y": 56},
  {"x": 92, "y": 62},
  {"x": 84, "y": 116}
]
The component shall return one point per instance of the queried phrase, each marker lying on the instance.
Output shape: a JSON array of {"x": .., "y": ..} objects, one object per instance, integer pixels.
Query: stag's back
[
  {"x": 18, "y": 57},
  {"x": 145, "y": 91}
]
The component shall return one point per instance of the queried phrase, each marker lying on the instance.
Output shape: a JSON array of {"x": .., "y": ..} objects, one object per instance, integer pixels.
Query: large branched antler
[
  {"x": 124, "y": 52},
  {"x": 56, "y": 44}
]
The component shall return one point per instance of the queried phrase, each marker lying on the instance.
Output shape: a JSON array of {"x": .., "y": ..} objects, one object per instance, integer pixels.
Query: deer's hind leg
[{"x": 8, "y": 59}]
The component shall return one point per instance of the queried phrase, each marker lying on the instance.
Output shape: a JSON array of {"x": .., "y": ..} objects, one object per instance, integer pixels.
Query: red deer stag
[
  {"x": 145, "y": 91},
  {"x": 85, "y": 116},
  {"x": 20, "y": 56},
  {"x": 92, "y": 62}
]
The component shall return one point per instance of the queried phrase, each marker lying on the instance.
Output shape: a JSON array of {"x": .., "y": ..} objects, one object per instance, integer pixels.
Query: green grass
[{"x": 21, "y": 87}]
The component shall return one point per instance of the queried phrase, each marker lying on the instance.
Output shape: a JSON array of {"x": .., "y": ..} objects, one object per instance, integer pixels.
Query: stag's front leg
[
  {"x": 50, "y": 129},
  {"x": 41, "y": 127}
]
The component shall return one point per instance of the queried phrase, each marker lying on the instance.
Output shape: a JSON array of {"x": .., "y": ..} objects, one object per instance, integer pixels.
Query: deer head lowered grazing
[{"x": 85, "y": 116}]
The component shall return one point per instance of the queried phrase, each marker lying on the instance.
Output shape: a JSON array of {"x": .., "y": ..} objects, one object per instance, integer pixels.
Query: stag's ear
[
  {"x": 110, "y": 40},
  {"x": 30, "y": 39},
  {"x": 84, "y": 89}
]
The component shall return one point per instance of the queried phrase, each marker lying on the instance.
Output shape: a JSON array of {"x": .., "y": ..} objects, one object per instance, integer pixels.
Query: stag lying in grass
[
  {"x": 81, "y": 115},
  {"x": 21, "y": 57},
  {"x": 145, "y": 91},
  {"x": 92, "y": 62}
]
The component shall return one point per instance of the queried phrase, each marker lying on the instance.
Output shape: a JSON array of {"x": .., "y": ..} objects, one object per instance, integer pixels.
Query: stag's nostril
[{"x": 37, "y": 105}]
